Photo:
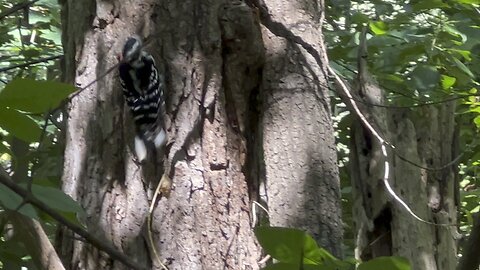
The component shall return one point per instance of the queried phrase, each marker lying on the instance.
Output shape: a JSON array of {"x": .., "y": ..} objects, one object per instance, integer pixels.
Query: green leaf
[
  {"x": 290, "y": 266},
  {"x": 34, "y": 96},
  {"x": 447, "y": 81},
  {"x": 382, "y": 263},
  {"x": 4, "y": 149},
  {"x": 463, "y": 53},
  {"x": 430, "y": 4},
  {"x": 31, "y": 53},
  {"x": 11, "y": 200},
  {"x": 283, "y": 244},
  {"x": 359, "y": 18},
  {"x": 424, "y": 78},
  {"x": 454, "y": 32},
  {"x": 293, "y": 246},
  {"x": 19, "y": 125},
  {"x": 476, "y": 120},
  {"x": 464, "y": 68},
  {"x": 378, "y": 27},
  {"x": 56, "y": 199},
  {"x": 468, "y": 1}
]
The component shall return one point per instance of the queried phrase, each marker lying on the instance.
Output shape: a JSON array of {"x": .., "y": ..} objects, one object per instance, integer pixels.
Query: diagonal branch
[
  {"x": 16, "y": 8},
  {"x": 100, "y": 244},
  {"x": 41, "y": 60}
]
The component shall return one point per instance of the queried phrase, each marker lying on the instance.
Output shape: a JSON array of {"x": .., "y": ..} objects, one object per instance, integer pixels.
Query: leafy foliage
[
  {"x": 34, "y": 96},
  {"x": 295, "y": 249},
  {"x": 28, "y": 93},
  {"x": 418, "y": 51}
]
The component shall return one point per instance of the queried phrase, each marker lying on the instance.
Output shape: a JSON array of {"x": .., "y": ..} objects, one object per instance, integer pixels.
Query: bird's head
[{"x": 132, "y": 50}]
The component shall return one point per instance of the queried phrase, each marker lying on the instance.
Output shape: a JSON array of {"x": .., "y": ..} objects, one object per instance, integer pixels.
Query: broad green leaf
[
  {"x": 468, "y": 1},
  {"x": 476, "y": 120},
  {"x": 293, "y": 246},
  {"x": 31, "y": 53},
  {"x": 465, "y": 54},
  {"x": 454, "y": 32},
  {"x": 290, "y": 266},
  {"x": 464, "y": 68},
  {"x": 430, "y": 4},
  {"x": 393, "y": 77},
  {"x": 411, "y": 53},
  {"x": 34, "y": 96},
  {"x": 11, "y": 200},
  {"x": 424, "y": 78},
  {"x": 378, "y": 27},
  {"x": 56, "y": 199},
  {"x": 19, "y": 125},
  {"x": 359, "y": 18},
  {"x": 283, "y": 244},
  {"x": 447, "y": 81},
  {"x": 382, "y": 263}
]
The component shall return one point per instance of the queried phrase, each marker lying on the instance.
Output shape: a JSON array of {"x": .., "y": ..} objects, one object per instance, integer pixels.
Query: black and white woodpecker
[{"x": 143, "y": 89}]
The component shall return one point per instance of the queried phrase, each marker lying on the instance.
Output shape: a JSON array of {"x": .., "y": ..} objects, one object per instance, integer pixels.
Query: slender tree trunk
[
  {"x": 223, "y": 79},
  {"x": 383, "y": 226}
]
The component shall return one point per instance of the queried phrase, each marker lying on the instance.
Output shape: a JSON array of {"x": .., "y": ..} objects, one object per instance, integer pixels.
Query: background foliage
[
  {"x": 419, "y": 51},
  {"x": 31, "y": 144}
]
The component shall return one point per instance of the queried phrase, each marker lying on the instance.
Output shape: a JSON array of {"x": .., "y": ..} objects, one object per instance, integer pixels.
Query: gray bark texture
[
  {"x": 246, "y": 109},
  {"x": 301, "y": 173},
  {"x": 383, "y": 227}
]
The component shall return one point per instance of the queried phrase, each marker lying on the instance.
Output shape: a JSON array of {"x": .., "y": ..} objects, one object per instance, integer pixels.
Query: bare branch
[
  {"x": 76, "y": 93},
  {"x": 41, "y": 60},
  {"x": 100, "y": 244}
]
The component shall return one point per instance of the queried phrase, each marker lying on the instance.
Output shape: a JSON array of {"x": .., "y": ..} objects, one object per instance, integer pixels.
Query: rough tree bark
[
  {"x": 301, "y": 173},
  {"x": 383, "y": 226},
  {"x": 236, "y": 93}
]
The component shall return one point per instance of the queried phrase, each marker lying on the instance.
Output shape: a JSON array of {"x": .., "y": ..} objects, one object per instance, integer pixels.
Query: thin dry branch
[
  {"x": 41, "y": 60},
  {"x": 94, "y": 241}
]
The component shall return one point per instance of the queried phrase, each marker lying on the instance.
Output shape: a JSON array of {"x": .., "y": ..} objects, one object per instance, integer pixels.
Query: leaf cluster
[
  {"x": 295, "y": 249},
  {"x": 30, "y": 140}
]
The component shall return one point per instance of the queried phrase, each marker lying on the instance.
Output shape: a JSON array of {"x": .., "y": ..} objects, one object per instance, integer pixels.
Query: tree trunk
[
  {"x": 222, "y": 80},
  {"x": 301, "y": 174},
  {"x": 383, "y": 226}
]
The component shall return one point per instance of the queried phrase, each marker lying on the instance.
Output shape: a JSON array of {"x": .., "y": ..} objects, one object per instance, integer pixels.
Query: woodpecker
[{"x": 143, "y": 89}]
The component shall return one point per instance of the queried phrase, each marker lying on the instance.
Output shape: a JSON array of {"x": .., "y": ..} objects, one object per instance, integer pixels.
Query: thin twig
[
  {"x": 99, "y": 244},
  {"x": 76, "y": 93},
  {"x": 41, "y": 60},
  {"x": 428, "y": 103},
  {"x": 149, "y": 223},
  {"x": 455, "y": 160}
]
